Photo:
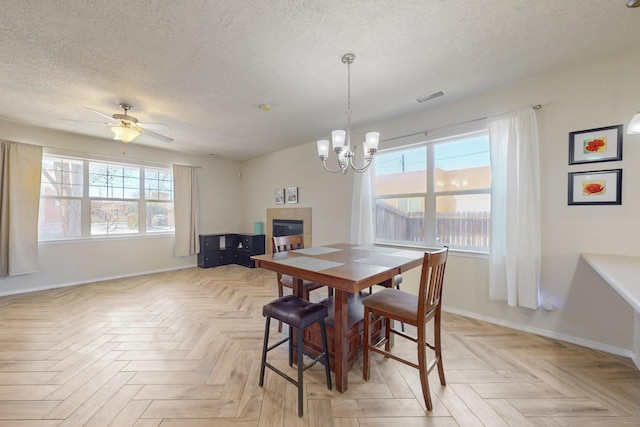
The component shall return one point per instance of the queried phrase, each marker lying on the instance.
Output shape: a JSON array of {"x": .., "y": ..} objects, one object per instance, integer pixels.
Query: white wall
[
  {"x": 588, "y": 96},
  {"x": 73, "y": 262}
]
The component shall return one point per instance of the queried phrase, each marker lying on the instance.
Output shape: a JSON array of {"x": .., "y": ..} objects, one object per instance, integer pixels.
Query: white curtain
[
  {"x": 514, "y": 274},
  {"x": 362, "y": 208},
  {"x": 20, "y": 169},
  {"x": 185, "y": 200}
]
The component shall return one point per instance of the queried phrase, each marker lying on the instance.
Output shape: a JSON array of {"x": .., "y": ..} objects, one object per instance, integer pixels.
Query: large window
[
  {"x": 83, "y": 198},
  {"x": 436, "y": 193}
]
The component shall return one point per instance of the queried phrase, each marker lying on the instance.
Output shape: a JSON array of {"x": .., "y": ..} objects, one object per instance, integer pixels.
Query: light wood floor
[{"x": 183, "y": 348}]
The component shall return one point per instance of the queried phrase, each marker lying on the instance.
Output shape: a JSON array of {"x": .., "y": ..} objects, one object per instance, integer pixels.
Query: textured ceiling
[{"x": 203, "y": 67}]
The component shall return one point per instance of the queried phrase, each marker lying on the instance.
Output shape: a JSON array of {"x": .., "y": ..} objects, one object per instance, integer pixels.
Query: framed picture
[
  {"x": 279, "y": 196},
  {"x": 595, "y": 187},
  {"x": 595, "y": 145},
  {"x": 292, "y": 195}
]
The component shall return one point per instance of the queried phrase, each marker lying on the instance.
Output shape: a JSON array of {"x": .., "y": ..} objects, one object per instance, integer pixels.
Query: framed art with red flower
[
  {"x": 595, "y": 145},
  {"x": 595, "y": 187}
]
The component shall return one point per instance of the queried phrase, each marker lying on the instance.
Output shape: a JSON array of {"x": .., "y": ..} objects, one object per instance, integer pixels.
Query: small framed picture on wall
[
  {"x": 595, "y": 187},
  {"x": 279, "y": 196},
  {"x": 292, "y": 195},
  {"x": 595, "y": 145}
]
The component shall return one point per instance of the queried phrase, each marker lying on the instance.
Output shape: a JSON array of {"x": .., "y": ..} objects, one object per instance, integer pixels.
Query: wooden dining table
[{"x": 348, "y": 269}]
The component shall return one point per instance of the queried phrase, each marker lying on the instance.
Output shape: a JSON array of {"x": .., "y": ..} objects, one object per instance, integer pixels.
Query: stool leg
[
  {"x": 264, "y": 351},
  {"x": 290, "y": 345},
  {"x": 325, "y": 348},
  {"x": 300, "y": 347}
]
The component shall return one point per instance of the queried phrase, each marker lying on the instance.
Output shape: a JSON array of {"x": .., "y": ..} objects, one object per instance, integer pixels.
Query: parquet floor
[{"x": 183, "y": 348}]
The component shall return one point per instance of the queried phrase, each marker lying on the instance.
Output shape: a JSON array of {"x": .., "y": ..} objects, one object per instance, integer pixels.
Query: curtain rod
[
  {"x": 110, "y": 156},
  {"x": 425, "y": 132}
]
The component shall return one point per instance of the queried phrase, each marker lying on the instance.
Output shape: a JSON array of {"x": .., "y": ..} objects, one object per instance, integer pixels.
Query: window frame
[
  {"x": 86, "y": 200},
  {"x": 431, "y": 195}
]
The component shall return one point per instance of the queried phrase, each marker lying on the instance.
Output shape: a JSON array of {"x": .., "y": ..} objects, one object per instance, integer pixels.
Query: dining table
[{"x": 349, "y": 269}]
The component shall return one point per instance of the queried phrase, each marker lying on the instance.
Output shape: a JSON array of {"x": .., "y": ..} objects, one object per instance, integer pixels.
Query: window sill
[{"x": 105, "y": 238}]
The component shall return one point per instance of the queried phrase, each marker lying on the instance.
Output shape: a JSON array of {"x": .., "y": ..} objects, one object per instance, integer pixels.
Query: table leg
[
  {"x": 298, "y": 287},
  {"x": 341, "y": 350}
]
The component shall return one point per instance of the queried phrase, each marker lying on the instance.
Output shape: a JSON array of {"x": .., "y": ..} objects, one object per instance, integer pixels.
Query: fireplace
[
  {"x": 290, "y": 215},
  {"x": 287, "y": 227}
]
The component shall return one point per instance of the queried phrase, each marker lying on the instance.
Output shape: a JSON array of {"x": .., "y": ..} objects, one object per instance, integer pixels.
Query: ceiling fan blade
[
  {"x": 102, "y": 114},
  {"x": 155, "y": 126},
  {"x": 87, "y": 121},
  {"x": 157, "y": 135}
]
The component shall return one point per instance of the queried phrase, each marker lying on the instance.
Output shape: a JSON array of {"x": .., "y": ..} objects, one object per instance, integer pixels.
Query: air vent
[{"x": 430, "y": 97}]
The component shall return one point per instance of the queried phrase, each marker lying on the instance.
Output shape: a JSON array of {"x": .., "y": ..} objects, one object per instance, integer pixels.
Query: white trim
[
  {"x": 96, "y": 279},
  {"x": 549, "y": 334}
]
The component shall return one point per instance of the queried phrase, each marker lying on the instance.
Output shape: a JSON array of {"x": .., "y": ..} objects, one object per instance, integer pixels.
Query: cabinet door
[
  {"x": 209, "y": 242},
  {"x": 244, "y": 258},
  {"x": 227, "y": 256},
  {"x": 209, "y": 259}
]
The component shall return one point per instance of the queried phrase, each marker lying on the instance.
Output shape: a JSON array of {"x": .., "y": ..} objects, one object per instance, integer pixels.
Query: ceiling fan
[{"x": 126, "y": 128}]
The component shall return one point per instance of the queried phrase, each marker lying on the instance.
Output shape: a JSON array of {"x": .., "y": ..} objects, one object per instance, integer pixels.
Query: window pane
[
  {"x": 113, "y": 181},
  {"x": 160, "y": 217},
  {"x": 61, "y": 177},
  {"x": 158, "y": 184},
  {"x": 402, "y": 171},
  {"x": 462, "y": 164},
  {"x": 463, "y": 220},
  {"x": 113, "y": 217},
  {"x": 400, "y": 219},
  {"x": 59, "y": 218}
]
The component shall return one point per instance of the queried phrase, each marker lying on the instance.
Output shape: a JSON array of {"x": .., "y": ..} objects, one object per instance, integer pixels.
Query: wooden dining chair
[
  {"x": 290, "y": 243},
  {"x": 393, "y": 304}
]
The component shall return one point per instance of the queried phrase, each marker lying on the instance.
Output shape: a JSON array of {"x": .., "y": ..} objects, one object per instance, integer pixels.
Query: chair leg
[
  {"x": 264, "y": 351},
  {"x": 438, "y": 348},
  {"x": 365, "y": 346},
  {"x": 422, "y": 366},
  {"x": 300, "y": 370},
  {"x": 330, "y": 291}
]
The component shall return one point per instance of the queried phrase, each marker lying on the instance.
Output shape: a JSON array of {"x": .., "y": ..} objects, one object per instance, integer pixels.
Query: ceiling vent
[{"x": 430, "y": 97}]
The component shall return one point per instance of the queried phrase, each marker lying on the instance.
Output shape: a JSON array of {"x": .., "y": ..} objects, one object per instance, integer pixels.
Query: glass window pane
[
  {"x": 400, "y": 219},
  {"x": 463, "y": 221},
  {"x": 160, "y": 217},
  {"x": 59, "y": 218},
  {"x": 113, "y": 217},
  {"x": 158, "y": 184},
  {"x": 402, "y": 171},
  {"x": 113, "y": 181},
  {"x": 61, "y": 177},
  {"x": 462, "y": 164}
]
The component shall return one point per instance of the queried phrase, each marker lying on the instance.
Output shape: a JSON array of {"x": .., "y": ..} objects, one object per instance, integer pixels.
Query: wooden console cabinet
[{"x": 229, "y": 248}]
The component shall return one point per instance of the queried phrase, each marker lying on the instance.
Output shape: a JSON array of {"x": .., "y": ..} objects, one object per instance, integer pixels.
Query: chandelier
[{"x": 341, "y": 140}]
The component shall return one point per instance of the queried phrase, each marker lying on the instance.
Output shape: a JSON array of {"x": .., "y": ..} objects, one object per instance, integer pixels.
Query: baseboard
[
  {"x": 550, "y": 334},
  {"x": 96, "y": 279}
]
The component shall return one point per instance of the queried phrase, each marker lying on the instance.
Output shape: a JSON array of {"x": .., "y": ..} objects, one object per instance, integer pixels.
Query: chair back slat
[
  {"x": 431, "y": 280},
  {"x": 287, "y": 243}
]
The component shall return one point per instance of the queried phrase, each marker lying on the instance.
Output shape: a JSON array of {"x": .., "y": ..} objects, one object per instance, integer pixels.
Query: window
[
  {"x": 83, "y": 198},
  {"x": 435, "y": 193}
]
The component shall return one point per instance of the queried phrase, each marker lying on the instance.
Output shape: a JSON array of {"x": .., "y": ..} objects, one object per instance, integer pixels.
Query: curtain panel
[
  {"x": 185, "y": 200},
  {"x": 514, "y": 272},
  {"x": 362, "y": 212},
  {"x": 20, "y": 171}
]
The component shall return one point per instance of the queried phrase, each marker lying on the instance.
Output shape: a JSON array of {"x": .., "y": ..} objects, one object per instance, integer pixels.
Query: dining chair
[
  {"x": 393, "y": 304},
  {"x": 289, "y": 243}
]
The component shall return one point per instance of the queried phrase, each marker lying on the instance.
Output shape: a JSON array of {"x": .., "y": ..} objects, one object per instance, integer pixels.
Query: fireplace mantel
[{"x": 303, "y": 214}]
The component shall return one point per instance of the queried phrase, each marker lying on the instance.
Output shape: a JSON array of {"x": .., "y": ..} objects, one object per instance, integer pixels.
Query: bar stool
[{"x": 299, "y": 314}]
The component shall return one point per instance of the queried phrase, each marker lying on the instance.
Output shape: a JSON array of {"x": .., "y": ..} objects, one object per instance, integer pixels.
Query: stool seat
[
  {"x": 295, "y": 311},
  {"x": 299, "y": 314}
]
